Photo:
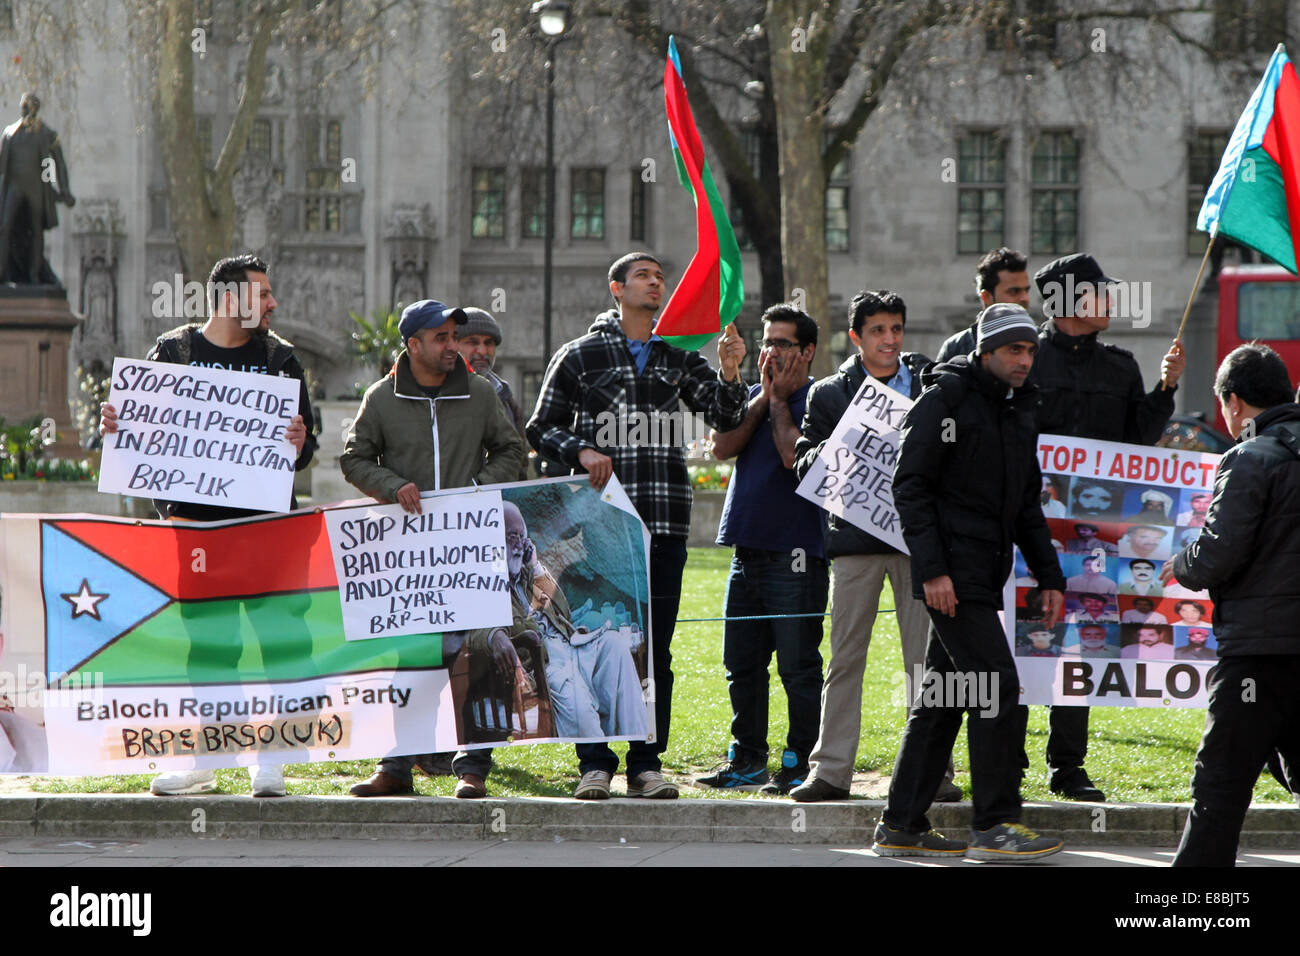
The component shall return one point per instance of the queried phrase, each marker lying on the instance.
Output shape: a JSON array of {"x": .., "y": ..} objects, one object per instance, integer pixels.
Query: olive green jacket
[{"x": 461, "y": 438}]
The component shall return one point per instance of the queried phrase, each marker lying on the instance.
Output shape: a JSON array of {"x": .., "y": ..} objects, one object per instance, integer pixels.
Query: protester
[
  {"x": 967, "y": 488},
  {"x": 236, "y": 336},
  {"x": 1000, "y": 276},
  {"x": 778, "y": 568},
  {"x": 621, "y": 372},
  {"x": 860, "y": 562},
  {"x": 1245, "y": 558},
  {"x": 477, "y": 341},
  {"x": 427, "y": 425},
  {"x": 1089, "y": 389}
]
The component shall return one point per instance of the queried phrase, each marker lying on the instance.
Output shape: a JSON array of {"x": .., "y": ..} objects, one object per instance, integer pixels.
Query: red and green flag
[
  {"x": 1254, "y": 198},
  {"x": 711, "y": 292}
]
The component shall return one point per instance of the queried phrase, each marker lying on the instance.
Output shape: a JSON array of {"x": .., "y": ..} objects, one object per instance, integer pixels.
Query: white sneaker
[
  {"x": 183, "y": 781},
  {"x": 267, "y": 781},
  {"x": 594, "y": 785}
]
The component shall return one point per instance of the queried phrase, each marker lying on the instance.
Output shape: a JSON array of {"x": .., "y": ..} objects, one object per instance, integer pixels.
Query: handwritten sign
[
  {"x": 442, "y": 570},
  {"x": 853, "y": 477},
  {"x": 203, "y": 435}
]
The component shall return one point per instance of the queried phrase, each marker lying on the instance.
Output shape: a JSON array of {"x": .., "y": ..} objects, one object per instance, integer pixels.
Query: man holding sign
[
  {"x": 431, "y": 423},
  {"x": 237, "y": 336},
  {"x": 860, "y": 561},
  {"x": 602, "y": 409}
]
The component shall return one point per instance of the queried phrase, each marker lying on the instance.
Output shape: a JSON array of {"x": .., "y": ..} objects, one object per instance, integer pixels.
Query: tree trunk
[
  {"x": 798, "y": 34},
  {"x": 201, "y": 202}
]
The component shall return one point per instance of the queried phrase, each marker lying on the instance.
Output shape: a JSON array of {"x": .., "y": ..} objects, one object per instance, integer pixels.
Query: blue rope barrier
[{"x": 766, "y": 617}]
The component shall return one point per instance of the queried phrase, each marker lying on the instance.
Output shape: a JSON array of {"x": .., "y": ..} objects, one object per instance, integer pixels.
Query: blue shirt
[
  {"x": 641, "y": 352},
  {"x": 762, "y": 509},
  {"x": 901, "y": 382}
]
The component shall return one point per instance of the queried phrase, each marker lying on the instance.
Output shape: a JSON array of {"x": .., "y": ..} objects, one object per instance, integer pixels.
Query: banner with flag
[
  {"x": 711, "y": 292},
  {"x": 130, "y": 646},
  {"x": 1254, "y": 197}
]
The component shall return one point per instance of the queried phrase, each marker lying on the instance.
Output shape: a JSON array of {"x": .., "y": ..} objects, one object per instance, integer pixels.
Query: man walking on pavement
[
  {"x": 430, "y": 424},
  {"x": 860, "y": 562},
  {"x": 967, "y": 489},
  {"x": 619, "y": 372},
  {"x": 1245, "y": 557},
  {"x": 1089, "y": 389}
]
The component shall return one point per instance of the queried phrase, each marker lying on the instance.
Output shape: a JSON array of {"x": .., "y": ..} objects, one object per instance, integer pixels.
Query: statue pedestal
[{"x": 36, "y": 327}]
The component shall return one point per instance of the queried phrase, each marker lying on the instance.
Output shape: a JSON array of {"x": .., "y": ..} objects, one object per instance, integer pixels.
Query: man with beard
[
  {"x": 477, "y": 341},
  {"x": 237, "y": 336},
  {"x": 1196, "y": 648},
  {"x": 430, "y": 424},
  {"x": 595, "y": 690},
  {"x": 1092, "y": 642}
]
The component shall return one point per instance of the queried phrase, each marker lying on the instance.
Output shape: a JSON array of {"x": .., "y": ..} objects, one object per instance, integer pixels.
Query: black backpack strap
[{"x": 1290, "y": 440}]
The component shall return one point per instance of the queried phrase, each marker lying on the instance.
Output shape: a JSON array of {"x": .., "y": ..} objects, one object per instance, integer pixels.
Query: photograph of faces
[
  {"x": 1092, "y": 640},
  {"x": 1096, "y": 498},
  {"x": 1147, "y": 641},
  {"x": 1195, "y": 643},
  {"x": 1090, "y": 572},
  {"x": 1147, "y": 541},
  {"x": 1192, "y": 508},
  {"x": 1089, "y": 607},
  {"x": 1055, "y": 491},
  {"x": 1154, "y": 506},
  {"x": 1035, "y": 640},
  {"x": 1140, "y": 577},
  {"x": 1086, "y": 537}
]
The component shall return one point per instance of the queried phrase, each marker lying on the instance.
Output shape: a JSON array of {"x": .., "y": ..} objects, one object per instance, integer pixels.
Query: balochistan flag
[
  {"x": 711, "y": 292},
  {"x": 1255, "y": 196}
]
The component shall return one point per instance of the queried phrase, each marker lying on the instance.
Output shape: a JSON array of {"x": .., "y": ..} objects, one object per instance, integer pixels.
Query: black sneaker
[
  {"x": 1010, "y": 843},
  {"x": 733, "y": 776},
  {"x": 793, "y": 772},
  {"x": 1073, "y": 784},
  {"x": 890, "y": 842}
]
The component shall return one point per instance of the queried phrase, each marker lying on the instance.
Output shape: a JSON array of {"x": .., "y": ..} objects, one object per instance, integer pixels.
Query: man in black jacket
[
  {"x": 1089, "y": 389},
  {"x": 1246, "y": 557},
  {"x": 967, "y": 489},
  {"x": 859, "y": 561}
]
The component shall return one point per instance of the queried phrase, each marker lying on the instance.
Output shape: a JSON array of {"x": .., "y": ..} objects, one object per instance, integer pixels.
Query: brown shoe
[
  {"x": 383, "y": 784},
  {"x": 471, "y": 787}
]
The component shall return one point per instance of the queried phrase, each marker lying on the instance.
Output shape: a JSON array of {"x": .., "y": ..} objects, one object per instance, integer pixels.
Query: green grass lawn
[{"x": 1135, "y": 754}]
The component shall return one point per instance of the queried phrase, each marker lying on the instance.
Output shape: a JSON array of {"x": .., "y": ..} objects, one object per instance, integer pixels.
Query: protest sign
[
  {"x": 147, "y": 646},
  {"x": 853, "y": 476},
  {"x": 1116, "y": 512},
  {"x": 201, "y": 435},
  {"x": 441, "y": 570}
]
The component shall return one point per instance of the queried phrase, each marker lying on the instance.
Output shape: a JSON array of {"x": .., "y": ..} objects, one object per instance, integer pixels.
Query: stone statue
[
  {"x": 33, "y": 178},
  {"x": 409, "y": 287}
]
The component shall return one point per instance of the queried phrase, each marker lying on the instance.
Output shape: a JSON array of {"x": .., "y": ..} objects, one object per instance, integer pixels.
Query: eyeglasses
[
  {"x": 779, "y": 345},
  {"x": 514, "y": 537}
]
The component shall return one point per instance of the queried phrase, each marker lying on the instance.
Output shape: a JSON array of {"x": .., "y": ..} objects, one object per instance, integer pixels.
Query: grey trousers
[{"x": 856, "y": 582}]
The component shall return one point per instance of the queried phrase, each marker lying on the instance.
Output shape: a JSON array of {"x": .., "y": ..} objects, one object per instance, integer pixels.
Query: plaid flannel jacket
[{"x": 593, "y": 398}]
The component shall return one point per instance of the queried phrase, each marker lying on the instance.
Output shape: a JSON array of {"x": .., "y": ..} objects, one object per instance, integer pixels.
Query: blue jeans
[
  {"x": 764, "y": 582},
  {"x": 667, "y": 560}
]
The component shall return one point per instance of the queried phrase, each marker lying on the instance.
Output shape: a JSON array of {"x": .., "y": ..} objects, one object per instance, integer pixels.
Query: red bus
[{"x": 1259, "y": 303}]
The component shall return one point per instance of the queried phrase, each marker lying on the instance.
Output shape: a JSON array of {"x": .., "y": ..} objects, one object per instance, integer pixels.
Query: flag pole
[{"x": 1196, "y": 284}]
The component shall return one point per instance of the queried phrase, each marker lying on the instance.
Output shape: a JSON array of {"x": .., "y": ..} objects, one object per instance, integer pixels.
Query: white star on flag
[{"x": 84, "y": 601}]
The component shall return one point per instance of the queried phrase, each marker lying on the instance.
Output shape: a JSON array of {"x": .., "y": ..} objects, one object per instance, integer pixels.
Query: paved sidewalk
[
  {"x": 616, "y": 822},
  {"x": 211, "y": 852}
]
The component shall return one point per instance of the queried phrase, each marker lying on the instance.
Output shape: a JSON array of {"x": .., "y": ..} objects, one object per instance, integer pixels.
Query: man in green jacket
[{"x": 427, "y": 425}]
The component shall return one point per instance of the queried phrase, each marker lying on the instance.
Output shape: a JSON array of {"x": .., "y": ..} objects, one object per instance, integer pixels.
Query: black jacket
[
  {"x": 176, "y": 347},
  {"x": 967, "y": 484},
  {"x": 1088, "y": 389},
  {"x": 828, "y": 399},
  {"x": 1248, "y": 553}
]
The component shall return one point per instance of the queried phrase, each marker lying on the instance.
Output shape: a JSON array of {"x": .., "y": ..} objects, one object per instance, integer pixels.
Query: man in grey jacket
[{"x": 426, "y": 425}]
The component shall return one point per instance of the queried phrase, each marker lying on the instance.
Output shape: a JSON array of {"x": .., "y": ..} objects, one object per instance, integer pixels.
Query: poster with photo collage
[{"x": 1116, "y": 512}]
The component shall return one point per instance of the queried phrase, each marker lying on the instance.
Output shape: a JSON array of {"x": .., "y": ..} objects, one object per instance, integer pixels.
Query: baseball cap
[{"x": 428, "y": 314}]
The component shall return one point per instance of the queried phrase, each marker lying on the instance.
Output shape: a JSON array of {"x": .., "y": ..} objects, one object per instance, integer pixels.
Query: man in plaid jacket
[{"x": 611, "y": 403}]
